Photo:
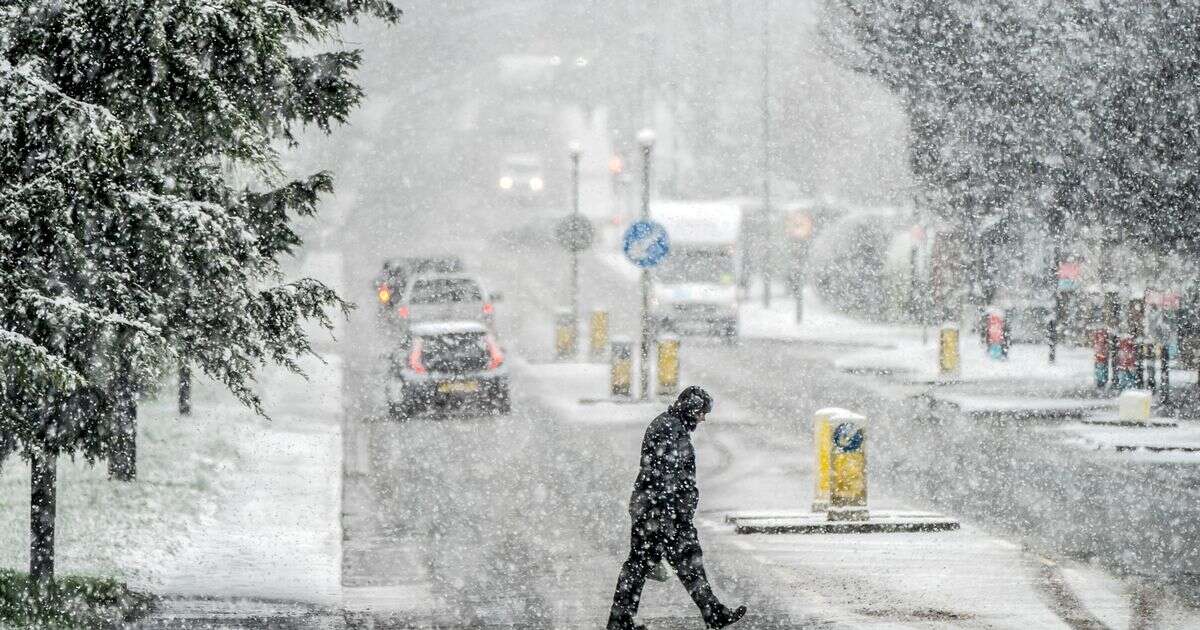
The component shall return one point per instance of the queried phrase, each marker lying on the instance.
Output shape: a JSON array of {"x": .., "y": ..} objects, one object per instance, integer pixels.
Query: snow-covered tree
[
  {"x": 1045, "y": 114},
  {"x": 127, "y": 244}
]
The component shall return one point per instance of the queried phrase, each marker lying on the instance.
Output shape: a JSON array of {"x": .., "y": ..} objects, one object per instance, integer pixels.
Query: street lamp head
[
  {"x": 575, "y": 149},
  {"x": 645, "y": 138}
]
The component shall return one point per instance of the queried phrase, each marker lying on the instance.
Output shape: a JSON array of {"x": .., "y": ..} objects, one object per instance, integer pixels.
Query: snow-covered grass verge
[
  {"x": 225, "y": 503},
  {"x": 68, "y": 602},
  {"x": 126, "y": 530}
]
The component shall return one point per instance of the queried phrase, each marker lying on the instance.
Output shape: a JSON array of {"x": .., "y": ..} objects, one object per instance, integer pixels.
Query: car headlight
[
  {"x": 536, "y": 183},
  {"x": 506, "y": 182}
]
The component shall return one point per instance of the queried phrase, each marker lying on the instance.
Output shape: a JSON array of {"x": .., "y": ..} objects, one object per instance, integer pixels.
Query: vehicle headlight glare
[
  {"x": 506, "y": 182},
  {"x": 536, "y": 183}
]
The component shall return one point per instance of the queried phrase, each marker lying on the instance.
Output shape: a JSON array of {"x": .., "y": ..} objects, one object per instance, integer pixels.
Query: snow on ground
[
  {"x": 896, "y": 580},
  {"x": 1178, "y": 444},
  {"x": 130, "y": 530},
  {"x": 275, "y": 532},
  {"x": 907, "y": 351},
  {"x": 226, "y": 503}
]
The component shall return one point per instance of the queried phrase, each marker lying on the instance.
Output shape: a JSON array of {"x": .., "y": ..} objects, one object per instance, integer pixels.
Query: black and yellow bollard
[
  {"x": 668, "y": 365},
  {"x": 620, "y": 372},
  {"x": 599, "y": 334},
  {"x": 823, "y": 442},
  {"x": 564, "y": 334},
  {"x": 948, "y": 360},
  {"x": 848, "y": 469}
]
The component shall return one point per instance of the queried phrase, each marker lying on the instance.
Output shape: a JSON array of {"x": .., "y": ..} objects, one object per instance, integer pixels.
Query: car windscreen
[
  {"x": 696, "y": 265},
  {"x": 455, "y": 352},
  {"x": 443, "y": 290}
]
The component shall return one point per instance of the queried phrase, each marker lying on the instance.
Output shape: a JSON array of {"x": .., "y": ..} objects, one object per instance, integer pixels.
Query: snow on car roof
[
  {"x": 447, "y": 328},
  {"x": 698, "y": 221}
]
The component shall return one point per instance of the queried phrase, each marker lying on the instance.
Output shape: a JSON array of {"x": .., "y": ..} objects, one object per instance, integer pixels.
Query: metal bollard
[
  {"x": 848, "y": 469},
  {"x": 1126, "y": 362},
  {"x": 668, "y": 365},
  {"x": 948, "y": 364},
  {"x": 1165, "y": 373},
  {"x": 599, "y": 334},
  {"x": 620, "y": 371},
  {"x": 564, "y": 334},
  {"x": 1149, "y": 371},
  {"x": 1100, "y": 356},
  {"x": 822, "y": 426}
]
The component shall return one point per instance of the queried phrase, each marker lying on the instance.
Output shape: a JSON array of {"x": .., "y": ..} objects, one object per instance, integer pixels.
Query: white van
[{"x": 694, "y": 289}]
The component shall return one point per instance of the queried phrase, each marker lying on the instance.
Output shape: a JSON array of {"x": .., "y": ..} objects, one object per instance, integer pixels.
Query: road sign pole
[
  {"x": 575, "y": 153},
  {"x": 646, "y": 140}
]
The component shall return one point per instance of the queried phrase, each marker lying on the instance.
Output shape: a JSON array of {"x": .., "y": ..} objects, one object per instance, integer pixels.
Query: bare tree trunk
[
  {"x": 122, "y": 459},
  {"x": 42, "y": 503},
  {"x": 185, "y": 389}
]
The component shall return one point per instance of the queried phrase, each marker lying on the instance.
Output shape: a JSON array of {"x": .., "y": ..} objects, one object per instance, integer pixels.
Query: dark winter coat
[{"x": 665, "y": 493}]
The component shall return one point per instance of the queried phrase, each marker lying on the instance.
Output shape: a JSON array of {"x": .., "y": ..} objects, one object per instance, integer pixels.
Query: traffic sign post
[{"x": 645, "y": 244}]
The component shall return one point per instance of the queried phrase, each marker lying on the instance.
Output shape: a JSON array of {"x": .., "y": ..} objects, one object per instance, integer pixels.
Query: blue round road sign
[
  {"x": 646, "y": 243},
  {"x": 847, "y": 438}
]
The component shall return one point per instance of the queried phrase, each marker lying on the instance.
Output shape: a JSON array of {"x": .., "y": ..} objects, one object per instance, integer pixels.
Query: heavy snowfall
[{"x": 551, "y": 314}]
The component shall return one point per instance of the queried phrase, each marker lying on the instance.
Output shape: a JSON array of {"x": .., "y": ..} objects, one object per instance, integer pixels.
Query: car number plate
[{"x": 458, "y": 387}]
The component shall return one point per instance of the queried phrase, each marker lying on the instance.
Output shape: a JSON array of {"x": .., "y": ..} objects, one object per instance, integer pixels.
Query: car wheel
[{"x": 501, "y": 403}]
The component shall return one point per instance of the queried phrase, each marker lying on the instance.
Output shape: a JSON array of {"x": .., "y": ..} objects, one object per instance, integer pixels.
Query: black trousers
[{"x": 651, "y": 541}]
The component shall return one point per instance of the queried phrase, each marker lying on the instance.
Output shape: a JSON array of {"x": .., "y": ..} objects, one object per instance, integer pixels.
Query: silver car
[{"x": 446, "y": 297}]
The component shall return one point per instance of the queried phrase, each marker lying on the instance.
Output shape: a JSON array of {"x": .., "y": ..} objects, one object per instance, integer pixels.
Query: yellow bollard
[
  {"x": 948, "y": 351},
  {"x": 668, "y": 365},
  {"x": 823, "y": 444},
  {"x": 620, "y": 371},
  {"x": 848, "y": 468},
  {"x": 599, "y": 336},
  {"x": 564, "y": 335}
]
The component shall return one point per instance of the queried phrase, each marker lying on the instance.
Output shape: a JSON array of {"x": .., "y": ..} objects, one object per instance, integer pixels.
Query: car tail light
[
  {"x": 497, "y": 357},
  {"x": 488, "y": 308},
  {"x": 415, "y": 360},
  {"x": 402, "y": 312}
]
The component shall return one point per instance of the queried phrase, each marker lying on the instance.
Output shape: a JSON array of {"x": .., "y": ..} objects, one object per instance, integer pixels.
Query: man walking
[{"x": 662, "y": 506}]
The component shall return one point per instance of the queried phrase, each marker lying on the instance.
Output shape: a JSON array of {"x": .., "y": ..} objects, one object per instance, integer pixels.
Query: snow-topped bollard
[
  {"x": 948, "y": 363},
  {"x": 1133, "y": 406},
  {"x": 822, "y": 428},
  {"x": 620, "y": 368},
  {"x": 599, "y": 334},
  {"x": 848, "y": 468},
  {"x": 668, "y": 365},
  {"x": 564, "y": 334},
  {"x": 840, "y": 496}
]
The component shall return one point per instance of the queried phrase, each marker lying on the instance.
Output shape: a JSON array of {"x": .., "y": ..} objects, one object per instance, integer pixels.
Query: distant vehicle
[
  {"x": 522, "y": 176},
  {"x": 396, "y": 273},
  {"x": 694, "y": 289},
  {"x": 446, "y": 297},
  {"x": 448, "y": 363}
]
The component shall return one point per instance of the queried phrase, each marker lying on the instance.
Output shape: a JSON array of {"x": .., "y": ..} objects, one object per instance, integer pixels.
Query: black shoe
[
  {"x": 726, "y": 617},
  {"x": 624, "y": 624}
]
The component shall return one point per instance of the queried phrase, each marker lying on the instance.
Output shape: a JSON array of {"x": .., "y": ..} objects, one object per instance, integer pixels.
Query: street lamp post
[
  {"x": 645, "y": 140},
  {"x": 576, "y": 151},
  {"x": 766, "y": 147}
]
